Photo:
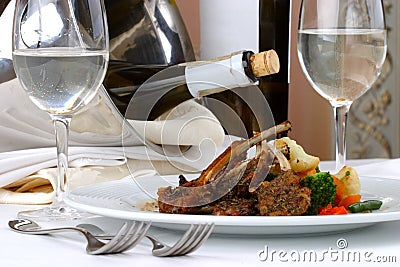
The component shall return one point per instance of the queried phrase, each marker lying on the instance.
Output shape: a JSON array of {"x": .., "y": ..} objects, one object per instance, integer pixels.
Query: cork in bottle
[{"x": 264, "y": 63}]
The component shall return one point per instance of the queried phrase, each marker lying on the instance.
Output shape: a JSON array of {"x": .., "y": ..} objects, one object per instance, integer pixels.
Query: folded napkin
[
  {"x": 187, "y": 124},
  {"x": 27, "y": 142},
  {"x": 37, "y": 188},
  {"x": 24, "y": 126}
]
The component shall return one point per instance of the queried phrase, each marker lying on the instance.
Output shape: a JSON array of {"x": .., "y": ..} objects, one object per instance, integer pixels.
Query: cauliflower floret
[{"x": 299, "y": 160}]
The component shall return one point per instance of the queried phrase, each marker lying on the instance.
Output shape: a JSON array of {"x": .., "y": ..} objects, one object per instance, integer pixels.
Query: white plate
[{"x": 123, "y": 198}]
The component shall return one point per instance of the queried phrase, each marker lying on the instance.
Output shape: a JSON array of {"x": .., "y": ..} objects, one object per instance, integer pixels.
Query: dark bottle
[
  {"x": 146, "y": 36},
  {"x": 274, "y": 33},
  {"x": 123, "y": 79},
  {"x": 176, "y": 84}
]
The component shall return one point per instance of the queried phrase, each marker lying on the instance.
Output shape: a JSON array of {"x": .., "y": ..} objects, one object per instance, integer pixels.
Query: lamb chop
[
  {"x": 283, "y": 196},
  {"x": 234, "y": 185}
]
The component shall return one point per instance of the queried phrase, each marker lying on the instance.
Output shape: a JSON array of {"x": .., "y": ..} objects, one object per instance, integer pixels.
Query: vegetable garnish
[
  {"x": 329, "y": 210},
  {"x": 323, "y": 191},
  {"x": 349, "y": 200},
  {"x": 365, "y": 206},
  {"x": 339, "y": 190}
]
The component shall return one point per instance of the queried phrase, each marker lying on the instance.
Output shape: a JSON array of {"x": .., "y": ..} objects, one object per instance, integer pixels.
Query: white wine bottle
[{"x": 176, "y": 84}]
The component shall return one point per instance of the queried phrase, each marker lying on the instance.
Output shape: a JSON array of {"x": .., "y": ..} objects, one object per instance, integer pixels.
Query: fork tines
[
  {"x": 193, "y": 238},
  {"x": 127, "y": 237}
]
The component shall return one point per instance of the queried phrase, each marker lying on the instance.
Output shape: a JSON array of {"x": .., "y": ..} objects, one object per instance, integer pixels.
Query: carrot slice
[
  {"x": 350, "y": 200},
  {"x": 329, "y": 210},
  {"x": 339, "y": 190},
  {"x": 306, "y": 173}
]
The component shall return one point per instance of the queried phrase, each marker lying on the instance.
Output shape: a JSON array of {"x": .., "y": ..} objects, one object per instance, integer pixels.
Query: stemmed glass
[
  {"x": 341, "y": 48},
  {"x": 60, "y": 54}
]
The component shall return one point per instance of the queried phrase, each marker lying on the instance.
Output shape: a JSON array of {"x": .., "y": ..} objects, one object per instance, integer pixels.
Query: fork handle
[
  {"x": 28, "y": 227},
  {"x": 52, "y": 230}
]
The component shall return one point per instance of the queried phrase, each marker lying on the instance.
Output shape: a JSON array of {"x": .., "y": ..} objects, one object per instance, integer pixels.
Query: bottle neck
[
  {"x": 216, "y": 76},
  {"x": 246, "y": 66}
]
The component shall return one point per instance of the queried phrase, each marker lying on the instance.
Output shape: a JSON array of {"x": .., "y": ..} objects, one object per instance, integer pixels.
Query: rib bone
[{"x": 237, "y": 150}]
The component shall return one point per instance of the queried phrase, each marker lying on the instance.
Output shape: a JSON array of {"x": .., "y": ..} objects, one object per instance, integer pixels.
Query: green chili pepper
[{"x": 367, "y": 205}]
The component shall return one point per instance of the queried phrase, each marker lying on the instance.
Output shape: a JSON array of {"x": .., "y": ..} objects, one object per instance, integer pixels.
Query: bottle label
[{"x": 204, "y": 78}]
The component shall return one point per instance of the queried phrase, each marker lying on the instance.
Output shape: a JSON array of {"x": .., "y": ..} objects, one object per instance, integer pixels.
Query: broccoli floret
[{"x": 323, "y": 191}]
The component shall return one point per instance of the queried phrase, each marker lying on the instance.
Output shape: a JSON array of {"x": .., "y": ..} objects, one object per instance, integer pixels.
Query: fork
[
  {"x": 127, "y": 236},
  {"x": 193, "y": 238}
]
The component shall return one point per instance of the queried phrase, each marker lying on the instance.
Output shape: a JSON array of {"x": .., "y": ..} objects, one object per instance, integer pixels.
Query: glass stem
[
  {"x": 61, "y": 127},
  {"x": 340, "y": 114}
]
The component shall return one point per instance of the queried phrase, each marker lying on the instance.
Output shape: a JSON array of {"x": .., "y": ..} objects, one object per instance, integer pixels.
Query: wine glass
[
  {"x": 60, "y": 54},
  {"x": 341, "y": 48}
]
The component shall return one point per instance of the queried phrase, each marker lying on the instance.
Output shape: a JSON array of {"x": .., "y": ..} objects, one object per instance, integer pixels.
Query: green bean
[{"x": 367, "y": 205}]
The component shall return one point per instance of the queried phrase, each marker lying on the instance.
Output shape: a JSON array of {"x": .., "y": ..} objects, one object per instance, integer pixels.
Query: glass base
[{"x": 55, "y": 212}]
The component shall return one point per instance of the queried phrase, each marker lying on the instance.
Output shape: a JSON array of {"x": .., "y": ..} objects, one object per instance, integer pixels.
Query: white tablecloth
[{"x": 380, "y": 242}]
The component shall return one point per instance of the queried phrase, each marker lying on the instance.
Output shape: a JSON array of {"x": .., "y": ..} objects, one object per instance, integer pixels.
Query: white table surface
[{"x": 378, "y": 242}]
